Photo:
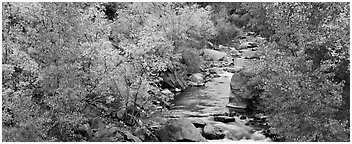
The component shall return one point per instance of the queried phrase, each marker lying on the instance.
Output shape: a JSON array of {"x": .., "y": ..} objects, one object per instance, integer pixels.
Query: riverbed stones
[
  {"x": 234, "y": 69},
  {"x": 176, "y": 130},
  {"x": 216, "y": 70},
  {"x": 245, "y": 45},
  {"x": 224, "y": 119},
  {"x": 210, "y": 132}
]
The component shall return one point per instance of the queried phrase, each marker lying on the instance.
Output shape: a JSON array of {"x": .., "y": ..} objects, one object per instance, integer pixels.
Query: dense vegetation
[{"x": 66, "y": 63}]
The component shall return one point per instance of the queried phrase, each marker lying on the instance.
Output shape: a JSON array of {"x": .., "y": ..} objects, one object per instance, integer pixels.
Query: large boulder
[
  {"x": 196, "y": 79},
  {"x": 235, "y": 131},
  {"x": 197, "y": 122},
  {"x": 238, "y": 91},
  {"x": 210, "y": 132},
  {"x": 213, "y": 55},
  {"x": 178, "y": 130},
  {"x": 224, "y": 119}
]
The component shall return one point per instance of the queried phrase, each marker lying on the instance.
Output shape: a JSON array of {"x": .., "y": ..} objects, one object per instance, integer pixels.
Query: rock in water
[
  {"x": 196, "y": 79},
  {"x": 210, "y": 132},
  {"x": 224, "y": 119},
  {"x": 197, "y": 122},
  {"x": 179, "y": 130},
  {"x": 166, "y": 92}
]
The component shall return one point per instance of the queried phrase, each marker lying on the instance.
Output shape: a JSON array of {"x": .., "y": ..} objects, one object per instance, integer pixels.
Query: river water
[{"x": 211, "y": 98}]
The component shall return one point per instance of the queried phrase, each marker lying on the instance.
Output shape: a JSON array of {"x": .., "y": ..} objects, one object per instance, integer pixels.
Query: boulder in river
[
  {"x": 178, "y": 130},
  {"x": 197, "y": 122},
  {"x": 234, "y": 131},
  {"x": 196, "y": 79},
  {"x": 224, "y": 119},
  {"x": 210, "y": 132},
  {"x": 238, "y": 91}
]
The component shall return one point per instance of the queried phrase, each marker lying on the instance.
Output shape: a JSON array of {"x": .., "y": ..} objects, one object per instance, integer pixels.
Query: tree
[{"x": 301, "y": 92}]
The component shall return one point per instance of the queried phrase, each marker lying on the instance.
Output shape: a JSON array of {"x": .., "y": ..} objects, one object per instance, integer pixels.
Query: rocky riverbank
[{"x": 214, "y": 107}]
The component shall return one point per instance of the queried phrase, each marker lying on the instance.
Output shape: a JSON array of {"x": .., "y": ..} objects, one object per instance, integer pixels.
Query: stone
[
  {"x": 243, "y": 117},
  {"x": 216, "y": 70},
  {"x": 260, "y": 116},
  {"x": 234, "y": 69},
  {"x": 210, "y": 132},
  {"x": 239, "y": 93},
  {"x": 178, "y": 90},
  {"x": 213, "y": 55},
  {"x": 246, "y": 45},
  {"x": 197, "y": 122},
  {"x": 196, "y": 80},
  {"x": 224, "y": 119},
  {"x": 176, "y": 130},
  {"x": 166, "y": 92},
  {"x": 234, "y": 52},
  {"x": 197, "y": 77},
  {"x": 234, "y": 131},
  {"x": 257, "y": 136}
]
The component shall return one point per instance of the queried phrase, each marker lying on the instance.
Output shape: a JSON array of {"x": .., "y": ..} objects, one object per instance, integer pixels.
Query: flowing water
[{"x": 212, "y": 98}]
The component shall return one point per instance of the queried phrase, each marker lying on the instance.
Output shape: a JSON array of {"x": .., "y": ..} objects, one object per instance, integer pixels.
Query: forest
[{"x": 110, "y": 71}]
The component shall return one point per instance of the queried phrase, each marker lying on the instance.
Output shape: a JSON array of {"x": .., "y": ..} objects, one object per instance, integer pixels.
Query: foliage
[
  {"x": 301, "y": 92},
  {"x": 66, "y": 63},
  {"x": 226, "y": 31}
]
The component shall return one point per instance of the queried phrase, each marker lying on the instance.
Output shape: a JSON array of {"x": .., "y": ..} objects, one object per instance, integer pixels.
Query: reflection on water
[{"x": 212, "y": 98}]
